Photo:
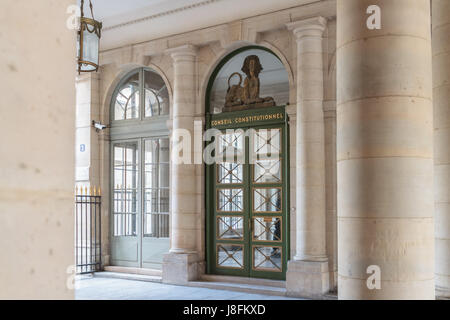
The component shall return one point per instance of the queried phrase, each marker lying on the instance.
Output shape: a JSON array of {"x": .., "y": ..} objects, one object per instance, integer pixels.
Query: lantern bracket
[{"x": 92, "y": 26}]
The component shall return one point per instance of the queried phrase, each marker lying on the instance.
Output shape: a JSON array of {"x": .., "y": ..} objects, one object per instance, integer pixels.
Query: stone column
[
  {"x": 180, "y": 265},
  {"x": 385, "y": 151},
  {"x": 307, "y": 274},
  {"x": 37, "y": 129},
  {"x": 441, "y": 95}
]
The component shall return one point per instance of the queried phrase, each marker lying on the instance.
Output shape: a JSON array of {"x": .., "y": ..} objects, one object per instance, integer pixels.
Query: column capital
[
  {"x": 308, "y": 28},
  {"x": 187, "y": 51}
]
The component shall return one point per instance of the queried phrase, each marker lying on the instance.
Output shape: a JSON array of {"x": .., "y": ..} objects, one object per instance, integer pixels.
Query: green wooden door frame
[
  {"x": 252, "y": 119},
  {"x": 264, "y": 118}
]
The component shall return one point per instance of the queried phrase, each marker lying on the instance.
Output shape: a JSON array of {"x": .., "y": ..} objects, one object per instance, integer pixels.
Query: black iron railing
[{"x": 88, "y": 245}]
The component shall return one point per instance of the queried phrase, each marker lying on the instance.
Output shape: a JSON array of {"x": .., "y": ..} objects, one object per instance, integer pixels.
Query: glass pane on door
[
  {"x": 267, "y": 229},
  {"x": 229, "y": 173},
  {"x": 230, "y": 200},
  {"x": 125, "y": 186},
  {"x": 230, "y": 256},
  {"x": 267, "y": 142},
  {"x": 156, "y": 188},
  {"x": 231, "y": 146},
  {"x": 267, "y": 258},
  {"x": 230, "y": 228},
  {"x": 267, "y": 171},
  {"x": 267, "y": 200}
]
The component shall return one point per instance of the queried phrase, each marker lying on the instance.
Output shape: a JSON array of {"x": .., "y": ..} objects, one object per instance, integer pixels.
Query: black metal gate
[{"x": 88, "y": 246}]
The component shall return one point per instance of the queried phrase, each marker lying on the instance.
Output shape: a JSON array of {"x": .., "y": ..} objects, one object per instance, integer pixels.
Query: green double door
[{"x": 248, "y": 202}]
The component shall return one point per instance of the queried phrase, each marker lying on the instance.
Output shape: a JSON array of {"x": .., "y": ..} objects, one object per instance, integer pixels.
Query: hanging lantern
[{"x": 88, "y": 42}]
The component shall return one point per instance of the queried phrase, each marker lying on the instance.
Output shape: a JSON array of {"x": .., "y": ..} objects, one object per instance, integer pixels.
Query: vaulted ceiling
[{"x": 131, "y": 21}]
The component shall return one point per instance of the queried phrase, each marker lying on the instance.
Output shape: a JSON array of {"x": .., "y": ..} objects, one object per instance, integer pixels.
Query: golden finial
[
  {"x": 76, "y": 190},
  {"x": 85, "y": 190},
  {"x": 95, "y": 191},
  {"x": 99, "y": 191}
]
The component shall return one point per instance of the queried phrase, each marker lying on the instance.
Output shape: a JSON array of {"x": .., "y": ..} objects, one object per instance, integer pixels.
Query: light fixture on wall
[{"x": 89, "y": 36}]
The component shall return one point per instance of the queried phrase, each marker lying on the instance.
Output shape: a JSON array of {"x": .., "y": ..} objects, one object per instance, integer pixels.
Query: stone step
[
  {"x": 244, "y": 280},
  {"x": 240, "y": 287},
  {"x": 128, "y": 276},
  {"x": 130, "y": 270}
]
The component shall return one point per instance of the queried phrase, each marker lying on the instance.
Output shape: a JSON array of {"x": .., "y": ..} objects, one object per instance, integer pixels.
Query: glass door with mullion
[
  {"x": 230, "y": 201},
  {"x": 156, "y": 169},
  {"x": 249, "y": 223},
  {"x": 125, "y": 226},
  {"x": 268, "y": 205}
]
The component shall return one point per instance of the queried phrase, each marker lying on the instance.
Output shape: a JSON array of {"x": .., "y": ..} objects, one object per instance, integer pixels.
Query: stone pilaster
[
  {"x": 441, "y": 95},
  {"x": 385, "y": 151},
  {"x": 307, "y": 274},
  {"x": 89, "y": 147},
  {"x": 181, "y": 263},
  {"x": 330, "y": 187}
]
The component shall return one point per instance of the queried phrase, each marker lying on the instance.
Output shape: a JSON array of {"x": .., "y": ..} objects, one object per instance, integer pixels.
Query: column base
[
  {"x": 442, "y": 293},
  {"x": 180, "y": 268},
  {"x": 309, "y": 279}
]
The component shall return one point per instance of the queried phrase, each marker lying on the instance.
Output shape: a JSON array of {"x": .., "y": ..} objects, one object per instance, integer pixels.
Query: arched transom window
[{"x": 142, "y": 94}]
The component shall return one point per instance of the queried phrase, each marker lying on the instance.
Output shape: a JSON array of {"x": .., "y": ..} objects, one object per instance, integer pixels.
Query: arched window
[
  {"x": 274, "y": 79},
  {"x": 140, "y": 170},
  {"x": 128, "y": 98}
]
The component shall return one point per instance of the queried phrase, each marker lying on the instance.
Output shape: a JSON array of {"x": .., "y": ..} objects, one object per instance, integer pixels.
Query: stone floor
[{"x": 91, "y": 288}]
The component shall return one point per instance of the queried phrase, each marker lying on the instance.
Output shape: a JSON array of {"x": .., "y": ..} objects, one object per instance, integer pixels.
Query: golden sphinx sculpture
[{"x": 247, "y": 97}]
